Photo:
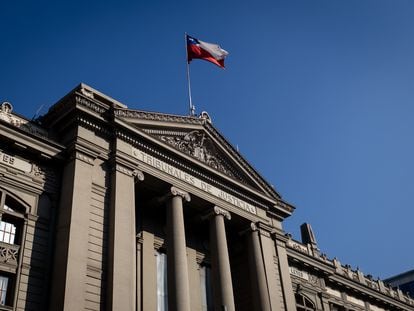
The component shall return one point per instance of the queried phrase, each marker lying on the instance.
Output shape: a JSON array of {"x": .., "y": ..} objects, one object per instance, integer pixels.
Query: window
[
  {"x": 205, "y": 285},
  {"x": 7, "y": 232},
  {"x": 303, "y": 303},
  {"x": 4, "y": 282},
  {"x": 12, "y": 215},
  {"x": 162, "y": 291}
]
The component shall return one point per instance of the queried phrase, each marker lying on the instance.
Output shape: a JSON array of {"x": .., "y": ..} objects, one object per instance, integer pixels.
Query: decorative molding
[
  {"x": 181, "y": 193},
  {"x": 6, "y": 115},
  {"x": 200, "y": 146},
  {"x": 222, "y": 211},
  {"x": 85, "y": 102},
  {"x": 191, "y": 169},
  {"x": 123, "y": 169},
  {"x": 138, "y": 175},
  {"x": 153, "y": 116},
  {"x": 83, "y": 157}
]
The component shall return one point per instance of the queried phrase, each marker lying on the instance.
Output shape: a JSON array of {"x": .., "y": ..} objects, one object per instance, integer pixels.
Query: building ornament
[
  {"x": 138, "y": 174},
  {"x": 198, "y": 145},
  {"x": 6, "y": 115},
  {"x": 83, "y": 157},
  {"x": 222, "y": 211},
  {"x": 137, "y": 114},
  {"x": 181, "y": 193},
  {"x": 87, "y": 103}
]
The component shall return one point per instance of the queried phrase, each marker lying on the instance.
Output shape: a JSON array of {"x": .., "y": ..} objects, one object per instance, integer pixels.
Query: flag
[{"x": 203, "y": 50}]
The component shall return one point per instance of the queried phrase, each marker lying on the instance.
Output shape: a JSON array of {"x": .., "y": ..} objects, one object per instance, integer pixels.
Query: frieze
[
  {"x": 192, "y": 180},
  {"x": 84, "y": 158},
  {"x": 198, "y": 145},
  {"x": 137, "y": 114},
  {"x": 144, "y": 146},
  {"x": 89, "y": 104},
  {"x": 241, "y": 160},
  {"x": 297, "y": 246}
]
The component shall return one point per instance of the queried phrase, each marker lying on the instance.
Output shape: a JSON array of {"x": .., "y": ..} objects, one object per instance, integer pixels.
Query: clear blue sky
[{"x": 317, "y": 94}]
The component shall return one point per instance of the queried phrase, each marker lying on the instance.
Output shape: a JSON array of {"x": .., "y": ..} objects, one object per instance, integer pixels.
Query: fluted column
[
  {"x": 178, "y": 288},
  {"x": 222, "y": 283},
  {"x": 260, "y": 295}
]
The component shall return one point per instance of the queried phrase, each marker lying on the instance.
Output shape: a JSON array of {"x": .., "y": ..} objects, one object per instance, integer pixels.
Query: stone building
[{"x": 108, "y": 208}]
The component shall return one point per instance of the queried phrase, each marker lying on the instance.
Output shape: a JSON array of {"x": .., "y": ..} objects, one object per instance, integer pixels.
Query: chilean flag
[{"x": 203, "y": 50}]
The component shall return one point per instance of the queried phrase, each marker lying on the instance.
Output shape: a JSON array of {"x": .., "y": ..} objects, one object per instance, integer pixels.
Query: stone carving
[
  {"x": 178, "y": 192},
  {"x": 8, "y": 253},
  {"x": 6, "y": 115},
  {"x": 89, "y": 104},
  {"x": 200, "y": 146},
  {"x": 221, "y": 211},
  {"x": 138, "y": 174}
]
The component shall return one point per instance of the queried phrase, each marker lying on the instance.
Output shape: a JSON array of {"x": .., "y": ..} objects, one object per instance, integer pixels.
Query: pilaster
[
  {"x": 71, "y": 244},
  {"x": 286, "y": 281},
  {"x": 122, "y": 238}
]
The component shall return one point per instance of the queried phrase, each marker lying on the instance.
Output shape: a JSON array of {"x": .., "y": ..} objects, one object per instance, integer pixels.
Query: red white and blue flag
[{"x": 197, "y": 49}]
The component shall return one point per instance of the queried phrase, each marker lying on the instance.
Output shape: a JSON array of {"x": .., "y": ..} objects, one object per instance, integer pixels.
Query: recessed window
[
  {"x": 162, "y": 290},
  {"x": 303, "y": 303},
  {"x": 7, "y": 232},
  {"x": 205, "y": 285},
  {"x": 4, "y": 283}
]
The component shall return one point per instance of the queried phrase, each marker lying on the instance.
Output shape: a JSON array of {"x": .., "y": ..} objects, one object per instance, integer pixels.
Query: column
[
  {"x": 178, "y": 289},
  {"x": 122, "y": 239},
  {"x": 260, "y": 295},
  {"x": 220, "y": 262}
]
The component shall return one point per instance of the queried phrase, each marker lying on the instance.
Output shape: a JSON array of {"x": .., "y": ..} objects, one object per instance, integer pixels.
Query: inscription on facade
[
  {"x": 14, "y": 162},
  {"x": 191, "y": 180},
  {"x": 299, "y": 274}
]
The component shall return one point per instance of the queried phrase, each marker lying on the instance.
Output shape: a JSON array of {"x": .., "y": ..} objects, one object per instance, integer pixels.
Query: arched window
[
  {"x": 303, "y": 303},
  {"x": 12, "y": 219}
]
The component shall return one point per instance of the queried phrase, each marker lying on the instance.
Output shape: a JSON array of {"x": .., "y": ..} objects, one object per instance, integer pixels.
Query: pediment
[{"x": 195, "y": 137}]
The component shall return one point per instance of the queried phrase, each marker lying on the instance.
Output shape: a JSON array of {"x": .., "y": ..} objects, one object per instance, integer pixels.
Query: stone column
[
  {"x": 260, "y": 295},
  {"x": 178, "y": 289},
  {"x": 220, "y": 262},
  {"x": 122, "y": 239}
]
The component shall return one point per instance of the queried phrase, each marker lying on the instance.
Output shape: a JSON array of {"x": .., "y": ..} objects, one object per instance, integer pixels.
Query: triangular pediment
[{"x": 196, "y": 138}]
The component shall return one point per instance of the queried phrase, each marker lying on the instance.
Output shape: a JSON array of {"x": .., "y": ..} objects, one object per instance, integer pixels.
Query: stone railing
[{"x": 349, "y": 273}]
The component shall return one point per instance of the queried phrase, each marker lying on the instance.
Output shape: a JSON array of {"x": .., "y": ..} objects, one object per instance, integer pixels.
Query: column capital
[
  {"x": 252, "y": 227},
  {"x": 221, "y": 211},
  {"x": 181, "y": 193},
  {"x": 216, "y": 212},
  {"x": 138, "y": 174}
]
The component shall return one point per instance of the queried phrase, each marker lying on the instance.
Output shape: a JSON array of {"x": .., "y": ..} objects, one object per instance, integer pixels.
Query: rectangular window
[
  {"x": 205, "y": 285},
  {"x": 162, "y": 292},
  {"x": 4, "y": 282},
  {"x": 7, "y": 232}
]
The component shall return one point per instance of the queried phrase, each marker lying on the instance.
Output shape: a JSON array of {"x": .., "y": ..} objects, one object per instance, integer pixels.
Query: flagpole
[{"x": 192, "y": 108}]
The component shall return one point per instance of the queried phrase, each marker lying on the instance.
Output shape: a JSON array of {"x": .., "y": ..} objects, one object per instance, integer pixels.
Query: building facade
[
  {"x": 403, "y": 281},
  {"x": 108, "y": 208}
]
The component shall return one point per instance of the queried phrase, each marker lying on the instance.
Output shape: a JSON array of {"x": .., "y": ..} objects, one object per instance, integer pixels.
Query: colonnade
[{"x": 178, "y": 289}]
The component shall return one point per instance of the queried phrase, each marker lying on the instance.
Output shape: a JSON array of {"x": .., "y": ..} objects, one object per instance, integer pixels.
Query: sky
[{"x": 316, "y": 94}]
